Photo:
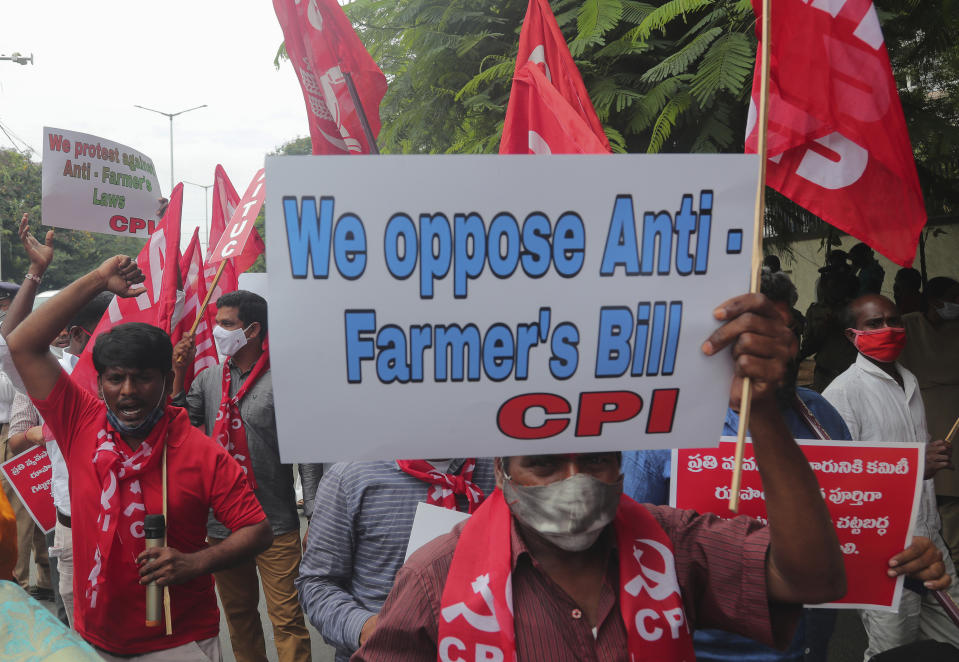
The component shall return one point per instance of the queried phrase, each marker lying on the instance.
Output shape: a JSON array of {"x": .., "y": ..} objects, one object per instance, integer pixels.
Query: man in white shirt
[{"x": 880, "y": 401}]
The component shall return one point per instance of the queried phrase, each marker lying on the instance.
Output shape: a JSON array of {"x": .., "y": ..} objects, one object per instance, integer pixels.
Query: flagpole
[
  {"x": 206, "y": 299},
  {"x": 756, "y": 265},
  {"x": 370, "y": 140}
]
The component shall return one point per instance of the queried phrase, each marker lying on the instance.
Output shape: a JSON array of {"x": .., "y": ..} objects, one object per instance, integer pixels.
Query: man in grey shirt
[
  {"x": 240, "y": 334},
  {"x": 357, "y": 540}
]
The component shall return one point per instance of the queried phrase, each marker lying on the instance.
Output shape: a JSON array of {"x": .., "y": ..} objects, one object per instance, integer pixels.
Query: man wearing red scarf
[
  {"x": 120, "y": 449},
  {"x": 558, "y": 565}
]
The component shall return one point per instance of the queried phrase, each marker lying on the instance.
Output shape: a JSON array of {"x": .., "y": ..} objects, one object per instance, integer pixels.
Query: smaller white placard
[
  {"x": 98, "y": 185},
  {"x": 431, "y": 522}
]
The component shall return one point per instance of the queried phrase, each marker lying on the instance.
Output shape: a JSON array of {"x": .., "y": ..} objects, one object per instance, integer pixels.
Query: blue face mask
[{"x": 143, "y": 428}]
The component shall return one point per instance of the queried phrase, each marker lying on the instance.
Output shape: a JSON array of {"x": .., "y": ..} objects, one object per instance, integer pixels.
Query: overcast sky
[{"x": 94, "y": 60}]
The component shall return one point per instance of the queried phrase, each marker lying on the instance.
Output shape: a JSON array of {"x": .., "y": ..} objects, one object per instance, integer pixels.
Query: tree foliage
[
  {"x": 653, "y": 70},
  {"x": 921, "y": 39},
  {"x": 663, "y": 75},
  {"x": 76, "y": 252}
]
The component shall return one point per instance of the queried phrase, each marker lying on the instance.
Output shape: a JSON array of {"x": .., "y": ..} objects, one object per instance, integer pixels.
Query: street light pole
[
  {"x": 19, "y": 59},
  {"x": 171, "y": 116},
  {"x": 206, "y": 202}
]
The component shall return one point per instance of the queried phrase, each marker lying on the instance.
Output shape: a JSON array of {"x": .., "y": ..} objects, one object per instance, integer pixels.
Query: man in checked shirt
[{"x": 558, "y": 566}]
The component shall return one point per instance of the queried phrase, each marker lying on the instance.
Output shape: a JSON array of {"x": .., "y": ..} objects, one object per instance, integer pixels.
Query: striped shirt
[
  {"x": 362, "y": 516},
  {"x": 720, "y": 565}
]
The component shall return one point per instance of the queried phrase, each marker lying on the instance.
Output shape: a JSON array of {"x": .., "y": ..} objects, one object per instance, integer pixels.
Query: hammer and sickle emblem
[
  {"x": 478, "y": 621},
  {"x": 659, "y": 585}
]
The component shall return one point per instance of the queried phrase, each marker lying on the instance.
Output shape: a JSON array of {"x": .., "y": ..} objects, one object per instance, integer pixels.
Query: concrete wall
[{"x": 942, "y": 259}]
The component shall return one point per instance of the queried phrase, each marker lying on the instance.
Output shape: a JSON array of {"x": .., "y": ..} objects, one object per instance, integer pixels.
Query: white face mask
[
  {"x": 570, "y": 513},
  {"x": 230, "y": 342},
  {"x": 949, "y": 311}
]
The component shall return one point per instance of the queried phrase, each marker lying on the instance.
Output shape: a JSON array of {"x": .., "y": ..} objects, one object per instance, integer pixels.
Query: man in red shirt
[{"x": 116, "y": 449}]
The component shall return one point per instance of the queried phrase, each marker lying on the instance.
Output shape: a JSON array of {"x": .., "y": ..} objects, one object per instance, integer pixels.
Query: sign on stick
[
  {"x": 30, "y": 474},
  {"x": 98, "y": 185},
  {"x": 238, "y": 230},
  {"x": 450, "y": 306},
  {"x": 871, "y": 490}
]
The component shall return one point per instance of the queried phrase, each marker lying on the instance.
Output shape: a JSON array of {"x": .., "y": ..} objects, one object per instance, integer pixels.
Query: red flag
[
  {"x": 837, "y": 135},
  {"x": 194, "y": 291},
  {"x": 542, "y": 47},
  {"x": 225, "y": 201},
  {"x": 160, "y": 262},
  {"x": 323, "y": 48}
]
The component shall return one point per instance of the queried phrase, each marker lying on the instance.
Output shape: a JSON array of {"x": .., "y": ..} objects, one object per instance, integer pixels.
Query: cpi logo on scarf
[{"x": 659, "y": 586}]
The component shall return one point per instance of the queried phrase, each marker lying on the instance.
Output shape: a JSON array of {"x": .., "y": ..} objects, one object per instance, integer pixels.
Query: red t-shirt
[{"x": 201, "y": 475}]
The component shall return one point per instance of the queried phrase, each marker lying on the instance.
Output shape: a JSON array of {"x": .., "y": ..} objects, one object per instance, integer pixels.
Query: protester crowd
[{"x": 542, "y": 570}]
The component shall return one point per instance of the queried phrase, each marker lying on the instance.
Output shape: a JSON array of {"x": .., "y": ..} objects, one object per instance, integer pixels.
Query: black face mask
[{"x": 144, "y": 427}]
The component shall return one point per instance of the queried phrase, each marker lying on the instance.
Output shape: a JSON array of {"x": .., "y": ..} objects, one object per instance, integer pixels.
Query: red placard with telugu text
[
  {"x": 871, "y": 490},
  {"x": 31, "y": 476}
]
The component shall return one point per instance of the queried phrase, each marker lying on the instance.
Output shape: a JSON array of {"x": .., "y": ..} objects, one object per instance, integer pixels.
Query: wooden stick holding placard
[
  {"x": 756, "y": 263},
  {"x": 952, "y": 432}
]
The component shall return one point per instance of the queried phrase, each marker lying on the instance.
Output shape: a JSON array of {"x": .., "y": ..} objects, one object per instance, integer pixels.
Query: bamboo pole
[
  {"x": 166, "y": 526},
  {"x": 952, "y": 432},
  {"x": 206, "y": 299},
  {"x": 756, "y": 264}
]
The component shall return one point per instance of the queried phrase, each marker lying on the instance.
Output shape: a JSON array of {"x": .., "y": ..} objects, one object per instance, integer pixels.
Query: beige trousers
[{"x": 240, "y": 594}]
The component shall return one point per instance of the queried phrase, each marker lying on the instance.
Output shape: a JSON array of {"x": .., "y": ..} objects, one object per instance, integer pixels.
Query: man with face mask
[
  {"x": 558, "y": 565},
  {"x": 233, "y": 403},
  {"x": 932, "y": 355},
  {"x": 121, "y": 450},
  {"x": 880, "y": 401}
]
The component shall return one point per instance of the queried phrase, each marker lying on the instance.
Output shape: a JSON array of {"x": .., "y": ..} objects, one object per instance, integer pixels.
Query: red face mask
[{"x": 884, "y": 345}]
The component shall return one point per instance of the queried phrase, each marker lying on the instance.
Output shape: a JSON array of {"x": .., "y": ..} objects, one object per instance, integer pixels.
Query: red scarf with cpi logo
[
  {"x": 119, "y": 469},
  {"x": 476, "y": 611},
  {"x": 445, "y": 487},
  {"x": 228, "y": 430}
]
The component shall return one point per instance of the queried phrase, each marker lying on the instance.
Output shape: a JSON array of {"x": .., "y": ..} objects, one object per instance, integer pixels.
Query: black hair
[
  {"x": 89, "y": 316},
  {"x": 134, "y": 345},
  {"x": 909, "y": 277},
  {"x": 778, "y": 287},
  {"x": 859, "y": 252},
  {"x": 939, "y": 287},
  {"x": 250, "y": 308},
  {"x": 772, "y": 263}
]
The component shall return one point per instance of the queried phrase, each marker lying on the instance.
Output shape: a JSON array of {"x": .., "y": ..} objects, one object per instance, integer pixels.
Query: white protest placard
[
  {"x": 454, "y": 306},
  {"x": 98, "y": 185},
  {"x": 431, "y": 522}
]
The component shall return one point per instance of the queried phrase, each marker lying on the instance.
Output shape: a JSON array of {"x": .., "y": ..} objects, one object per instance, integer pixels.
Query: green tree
[
  {"x": 663, "y": 75},
  {"x": 77, "y": 252},
  {"x": 653, "y": 70}
]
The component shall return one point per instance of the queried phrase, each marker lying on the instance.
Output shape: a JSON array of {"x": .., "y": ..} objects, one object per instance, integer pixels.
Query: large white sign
[
  {"x": 98, "y": 185},
  {"x": 455, "y": 306}
]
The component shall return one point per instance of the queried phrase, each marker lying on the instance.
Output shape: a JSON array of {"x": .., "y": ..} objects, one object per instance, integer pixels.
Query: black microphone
[{"x": 154, "y": 530}]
